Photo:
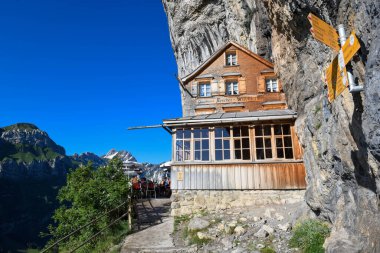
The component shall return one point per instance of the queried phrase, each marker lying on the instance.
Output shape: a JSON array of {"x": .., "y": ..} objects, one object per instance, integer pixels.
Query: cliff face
[
  {"x": 27, "y": 152},
  {"x": 199, "y": 27},
  {"x": 341, "y": 140}
]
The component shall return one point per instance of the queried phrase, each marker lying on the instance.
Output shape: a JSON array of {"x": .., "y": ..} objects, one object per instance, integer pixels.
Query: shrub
[
  {"x": 309, "y": 236},
  {"x": 88, "y": 194}
]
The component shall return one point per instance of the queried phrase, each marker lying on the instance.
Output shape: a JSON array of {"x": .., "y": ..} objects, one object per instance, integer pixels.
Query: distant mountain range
[
  {"x": 26, "y": 152},
  {"x": 32, "y": 170}
]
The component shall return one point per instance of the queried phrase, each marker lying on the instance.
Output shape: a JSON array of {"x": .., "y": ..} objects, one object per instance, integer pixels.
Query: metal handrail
[
  {"x": 82, "y": 227},
  {"x": 98, "y": 233}
]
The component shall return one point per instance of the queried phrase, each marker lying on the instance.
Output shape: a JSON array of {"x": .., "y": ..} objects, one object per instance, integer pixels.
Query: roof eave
[
  {"x": 173, "y": 123},
  {"x": 220, "y": 50}
]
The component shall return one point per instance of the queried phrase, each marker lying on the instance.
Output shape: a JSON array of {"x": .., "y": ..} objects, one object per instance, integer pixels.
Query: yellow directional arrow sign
[
  {"x": 349, "y": 49},
  {"x": 324, "y": 32},
  {"x": 336, "y": 80}
]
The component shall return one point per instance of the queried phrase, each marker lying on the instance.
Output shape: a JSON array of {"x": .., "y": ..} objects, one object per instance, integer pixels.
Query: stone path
[{"x": 154, "y": 228}]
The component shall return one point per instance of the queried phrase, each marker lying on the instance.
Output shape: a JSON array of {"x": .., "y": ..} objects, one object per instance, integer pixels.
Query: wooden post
[{"x": 130, "y": 213}]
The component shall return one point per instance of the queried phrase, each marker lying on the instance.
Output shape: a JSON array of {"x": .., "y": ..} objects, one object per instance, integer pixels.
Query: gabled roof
[{"x": 218, "y": 52}]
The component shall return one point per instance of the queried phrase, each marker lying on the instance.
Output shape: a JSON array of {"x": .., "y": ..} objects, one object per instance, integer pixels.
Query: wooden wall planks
[{"x": 239, "y": 176}]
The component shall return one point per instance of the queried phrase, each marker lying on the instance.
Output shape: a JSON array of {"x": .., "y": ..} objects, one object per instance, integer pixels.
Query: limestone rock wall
[
  {"x": 341, "y": 140},
  {"x": 198, "y": 28},
  {"x": 192, "y": 201}
]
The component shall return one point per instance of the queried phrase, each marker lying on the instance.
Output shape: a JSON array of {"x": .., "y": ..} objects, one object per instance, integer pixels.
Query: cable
[{"x": 80, "y": 228}]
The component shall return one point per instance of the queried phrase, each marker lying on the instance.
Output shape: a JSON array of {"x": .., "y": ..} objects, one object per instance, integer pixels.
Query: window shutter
[
  {"x": 221, "y": 87},
  {"x": 194, "y": 89},
  {"x": 279, "y": 85},
  {"x": 214, "y": 88},
  {"x": 261, "y": 84},
  {"x": 242, "y": 85}
]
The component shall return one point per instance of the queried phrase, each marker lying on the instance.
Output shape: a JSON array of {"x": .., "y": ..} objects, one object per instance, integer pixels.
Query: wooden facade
[
  {"x": 250, "y": 73},
  {"x": 253, "y": 176},
  {"x": 240, "y": 134}
]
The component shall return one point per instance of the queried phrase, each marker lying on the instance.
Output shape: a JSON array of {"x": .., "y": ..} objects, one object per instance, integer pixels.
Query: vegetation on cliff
[
  {"x": 309, "y": 236},
  {"x": 88, "y": 194}
]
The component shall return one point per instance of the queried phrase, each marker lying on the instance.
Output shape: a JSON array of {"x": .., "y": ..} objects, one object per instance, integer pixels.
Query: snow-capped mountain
[{"x": 125, "y": 156}]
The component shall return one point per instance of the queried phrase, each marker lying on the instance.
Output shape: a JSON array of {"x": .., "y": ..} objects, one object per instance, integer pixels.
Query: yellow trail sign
[
  {"x": 349, "y": 49},
  {"x": 324, "y": 32},
  {"x": 336, "y": 80}
]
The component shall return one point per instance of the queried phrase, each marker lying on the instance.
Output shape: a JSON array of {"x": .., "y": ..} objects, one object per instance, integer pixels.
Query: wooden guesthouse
[{"x": 236, "y": 132}]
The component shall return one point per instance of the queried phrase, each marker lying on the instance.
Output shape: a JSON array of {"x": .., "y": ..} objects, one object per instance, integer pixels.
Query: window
[
  {"x": 263, "y": 142},
  {"x": 204, "y": 90},
  {"x": 231, "y": 59},
  {"x": 201, "y": 144},
  {"x": 281, "y": 137},
  {"x": 183, "y": 137},
  {"x": 233, "y": 143},
  {"x": 241, "y": 143},
  {"x": 271, "y": 85},
  {"x": 232, "y": 88},
  {"x": 222, "y": 144}
]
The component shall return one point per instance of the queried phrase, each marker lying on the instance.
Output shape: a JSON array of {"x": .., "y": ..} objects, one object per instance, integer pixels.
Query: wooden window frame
[
  {"x": 200, "y": 139},
  {"x": 226, "y": 60},
  {"x": 223, "y": 149},
  {"x": 252, "y": 137},
  {"x": 183, "y": 150},
  {"x": 271, "y": 84},
  {"x": 232, "y": 82},
  {"x": 282, "y": 136},
  {"x": 273, "y": 137},
  {"x": 200, "y": 85},
  {"x": 240, "y": 138}
]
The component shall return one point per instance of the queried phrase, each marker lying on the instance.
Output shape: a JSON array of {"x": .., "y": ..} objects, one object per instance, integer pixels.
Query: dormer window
[
  {"x": 232, "y": 88},
  {"x": 231, "y": 59},
  {"x": 271, "y": 85},
  {"x": 205, "y": 90}
]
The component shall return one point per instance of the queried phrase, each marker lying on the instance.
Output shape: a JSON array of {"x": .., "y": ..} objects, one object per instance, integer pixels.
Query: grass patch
[
  {"x": 309, "y": 236},
  {"x": 318, "y": 125},
  {"x": 203, "y": 212},
  {"x": 193, "y": 237},
  {"x": 251, "y": 246},
  {"x": 267, "y": 249},
  {"x": 178, "y": 220},
  {"x": 318, "y": 108},
  {"x": 27, "y": 153}
]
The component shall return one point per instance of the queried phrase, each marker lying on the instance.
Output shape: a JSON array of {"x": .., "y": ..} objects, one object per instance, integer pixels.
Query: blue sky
[{"x": 85, "y": 70}]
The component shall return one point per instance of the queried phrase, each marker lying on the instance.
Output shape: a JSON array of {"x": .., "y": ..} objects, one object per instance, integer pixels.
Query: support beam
[
  {"x": 152, "y": 126},
  {"x": 183, "y": 86}
]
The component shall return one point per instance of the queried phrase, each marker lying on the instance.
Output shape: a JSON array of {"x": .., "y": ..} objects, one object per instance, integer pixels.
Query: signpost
[
  {"x": 336, "y": 80},
  {"x": 337, "y": 76},
  {"x": 349, "y": 49},
  {"x": 324, "y": 32}
]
